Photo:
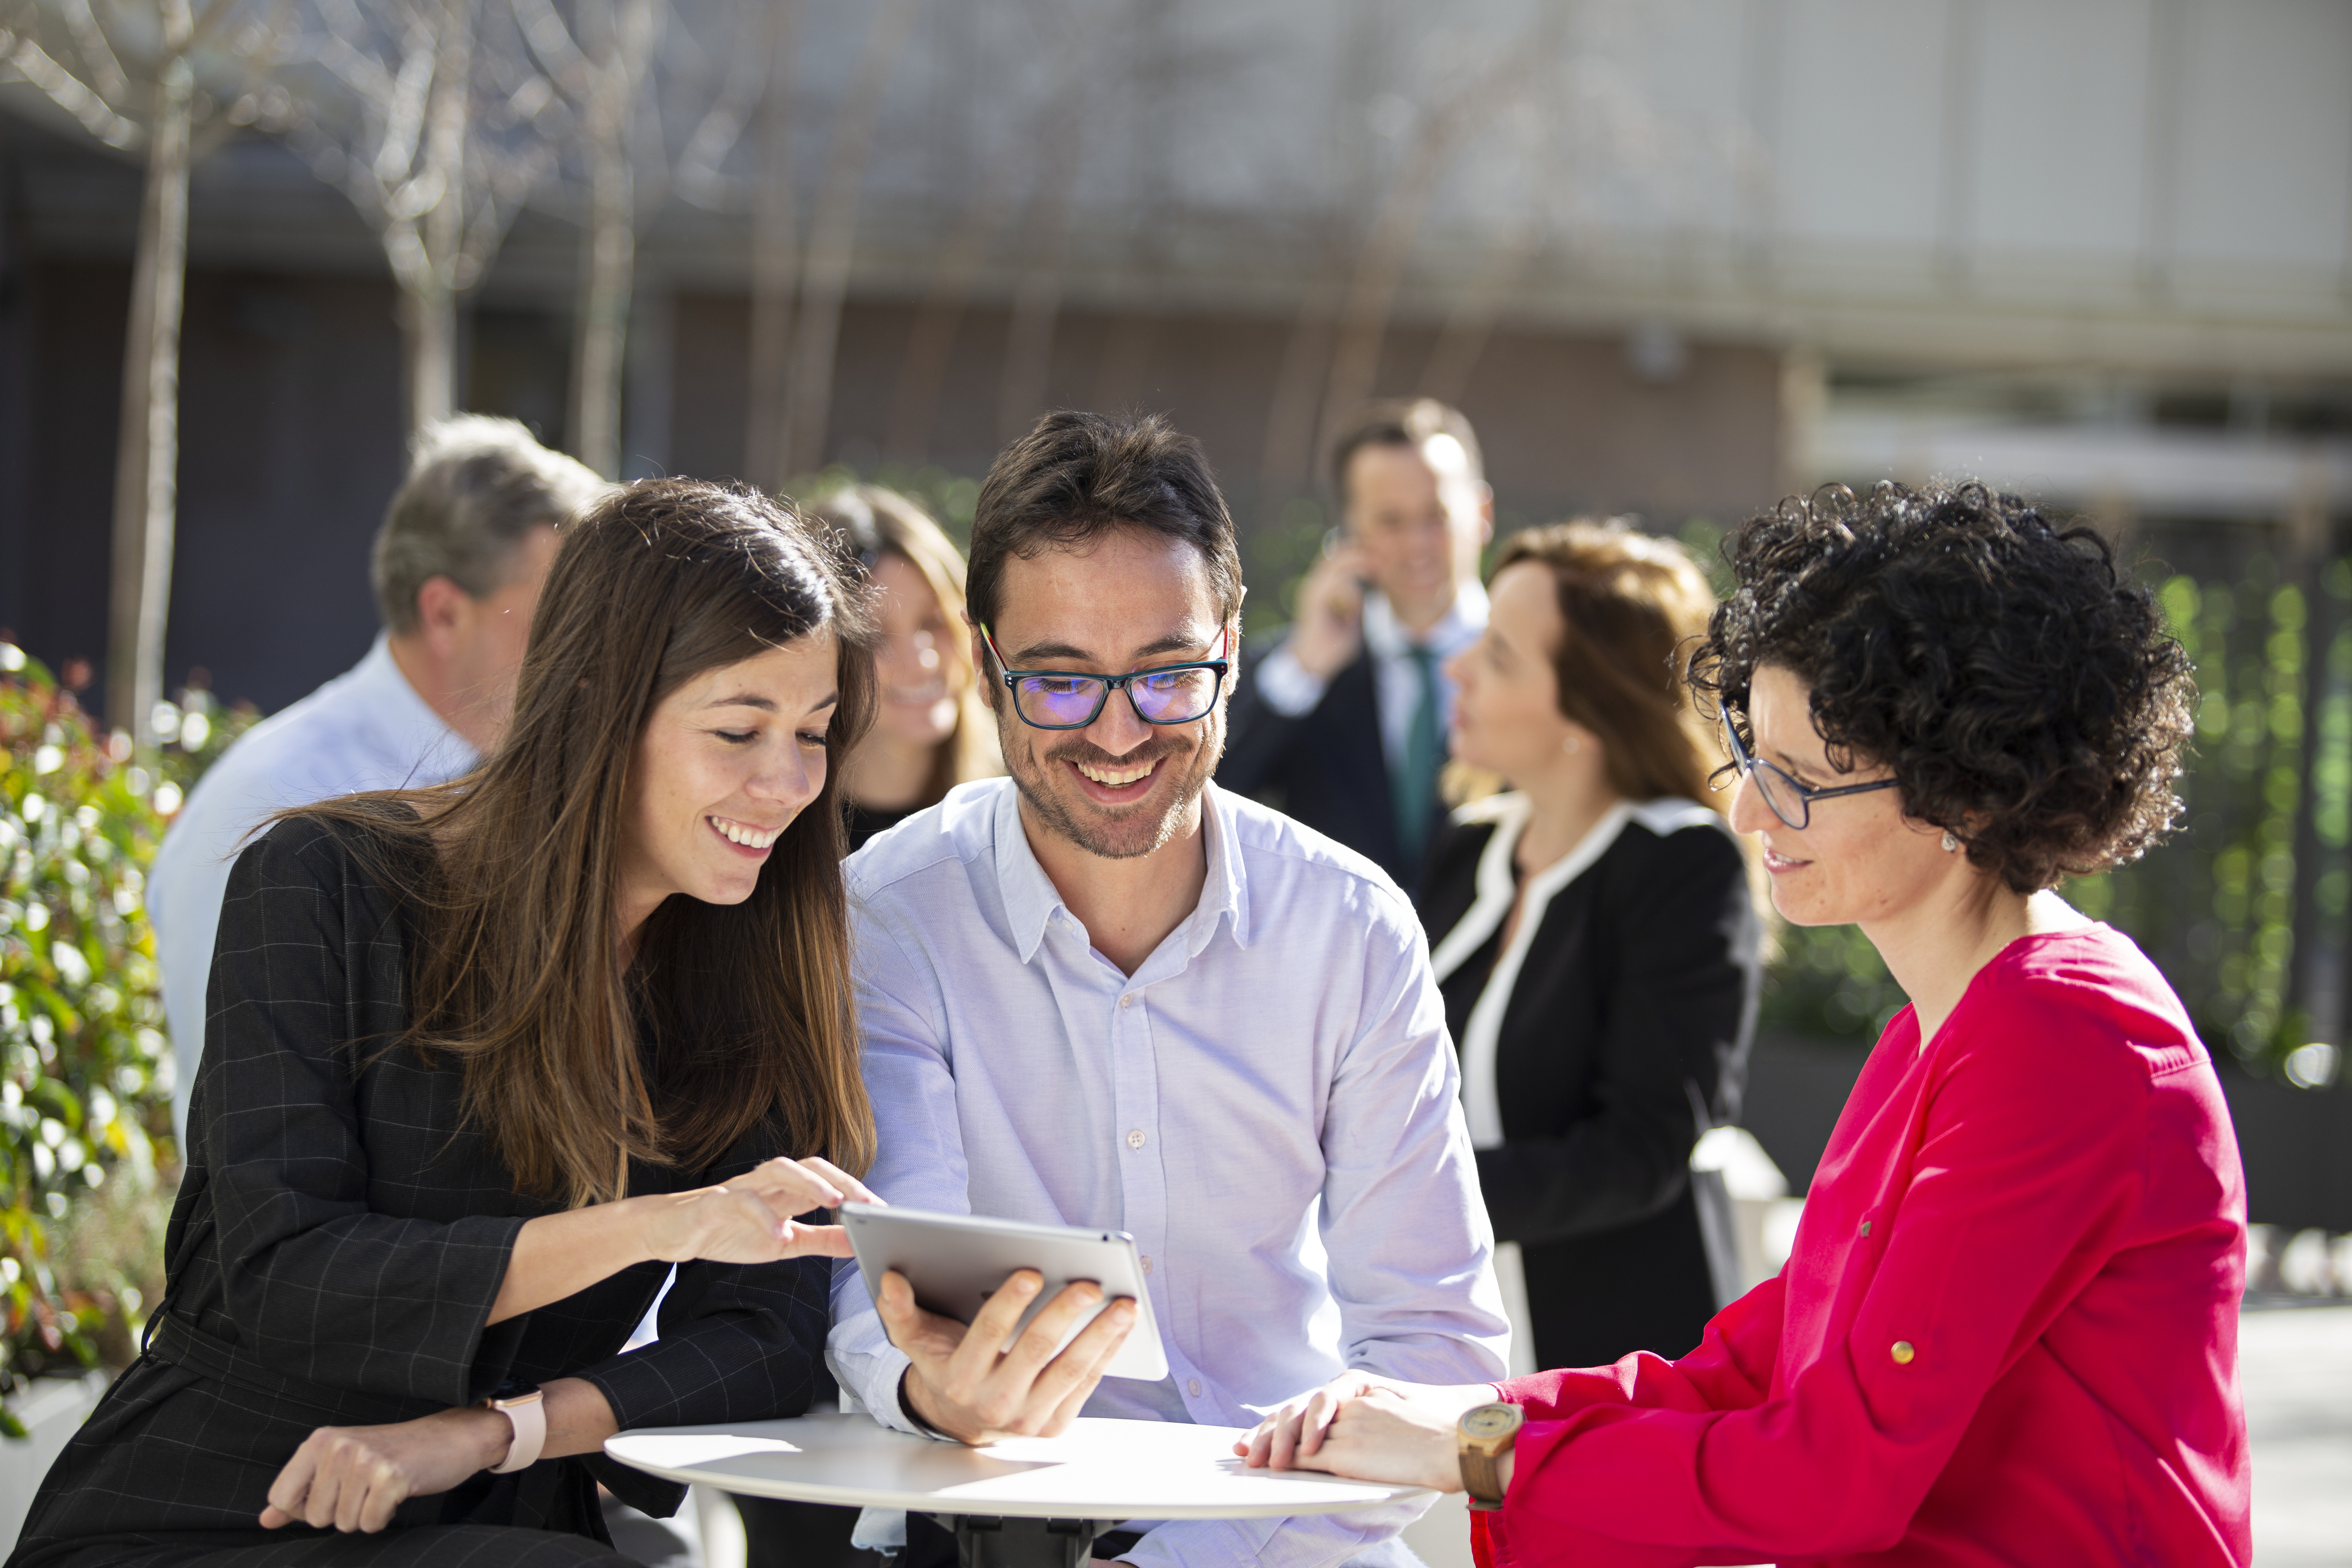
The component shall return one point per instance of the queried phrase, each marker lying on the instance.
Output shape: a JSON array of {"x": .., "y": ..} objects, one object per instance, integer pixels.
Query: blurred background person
[
  {"x": 930, "y": 733},
  {"x": 1596, "y": 938},
  {"x": 1342, "y": 725},
  {"x": 456, "y": 568}
]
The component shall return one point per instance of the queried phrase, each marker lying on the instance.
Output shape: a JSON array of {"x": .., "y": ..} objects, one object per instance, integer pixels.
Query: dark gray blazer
[{"x": 338, "y": 1240}]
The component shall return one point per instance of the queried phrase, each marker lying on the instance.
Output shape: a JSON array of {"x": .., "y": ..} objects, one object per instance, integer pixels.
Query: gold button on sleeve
[{"x": 1902, "y": 1352}]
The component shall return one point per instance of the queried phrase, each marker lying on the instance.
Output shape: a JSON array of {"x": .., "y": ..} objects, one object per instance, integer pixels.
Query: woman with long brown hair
[
  {"x": 483, "y": 1061},
  {"x": 1594, "y": 935},
  {"x": 931, "y": 733}
]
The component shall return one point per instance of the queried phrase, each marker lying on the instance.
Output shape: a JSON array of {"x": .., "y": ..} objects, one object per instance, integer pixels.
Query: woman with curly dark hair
[{"x": 2007, "y": 1333}]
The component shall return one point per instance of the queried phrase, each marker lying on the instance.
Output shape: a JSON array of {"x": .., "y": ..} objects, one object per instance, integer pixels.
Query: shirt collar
[
  {"x": 1032, "y": 903},
  {"x": 407, "y": 722},
  {"x": 1455, "y": 630}
]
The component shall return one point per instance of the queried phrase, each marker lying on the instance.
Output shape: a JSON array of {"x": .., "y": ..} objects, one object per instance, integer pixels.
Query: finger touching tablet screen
[{"x": 955, "y": 1262}]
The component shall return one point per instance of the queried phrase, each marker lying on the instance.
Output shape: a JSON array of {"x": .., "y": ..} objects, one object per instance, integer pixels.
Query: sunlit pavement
[{"x": 2295, "y": 1365}]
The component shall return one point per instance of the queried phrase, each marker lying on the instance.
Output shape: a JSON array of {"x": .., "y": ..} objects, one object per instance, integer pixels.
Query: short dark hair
[
  {"x": 1402, "y": 422},
  {"x": 2027, "y": 696},
  {"x": 1076, "y": 476}
]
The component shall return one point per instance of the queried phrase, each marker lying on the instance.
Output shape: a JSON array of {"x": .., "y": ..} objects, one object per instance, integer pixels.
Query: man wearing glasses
[{"x": 1105, "y": 993}]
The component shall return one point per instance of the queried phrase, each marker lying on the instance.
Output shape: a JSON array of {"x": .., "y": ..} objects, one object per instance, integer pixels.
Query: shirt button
[
  {"x": 1865, "y": 1228},
  {"x": 1147, "y": 1263},
  {"x": 1902, "y": 1352},
  {"x": 1128, "y": 1000},
  {"x": 1135, "y": 1138},
  {"x": 1194, "y": 1388}
]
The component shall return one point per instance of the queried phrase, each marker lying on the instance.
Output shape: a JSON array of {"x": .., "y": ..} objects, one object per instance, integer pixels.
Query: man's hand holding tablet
[{"x": 964, "y": 1384}]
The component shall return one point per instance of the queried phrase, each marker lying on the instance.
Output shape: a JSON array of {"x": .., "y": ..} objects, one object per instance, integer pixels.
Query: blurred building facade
[{"x": 1673, "y": 259}]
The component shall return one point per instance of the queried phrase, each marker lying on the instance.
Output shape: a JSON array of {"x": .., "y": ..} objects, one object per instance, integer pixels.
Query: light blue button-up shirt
[{"x": 1269, "y": 1104}]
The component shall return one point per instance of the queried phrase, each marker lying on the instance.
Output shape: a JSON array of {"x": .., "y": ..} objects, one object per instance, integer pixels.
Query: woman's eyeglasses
[
  {"x": 1791, "y": 802},
  {"x": 1066, "y": 700}
]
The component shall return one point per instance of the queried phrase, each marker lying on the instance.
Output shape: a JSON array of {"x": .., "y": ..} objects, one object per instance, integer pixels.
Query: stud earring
[{"x": 1950, "y": 843}]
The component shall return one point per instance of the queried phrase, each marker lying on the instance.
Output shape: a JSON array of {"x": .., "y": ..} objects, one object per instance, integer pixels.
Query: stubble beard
[{"x": 1128, "y": 833}]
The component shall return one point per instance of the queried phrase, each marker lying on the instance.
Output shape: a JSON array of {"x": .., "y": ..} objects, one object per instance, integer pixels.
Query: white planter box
[{"x": 52, "y": 1410}]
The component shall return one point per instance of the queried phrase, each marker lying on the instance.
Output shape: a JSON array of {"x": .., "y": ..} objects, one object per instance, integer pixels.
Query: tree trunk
[
  {"x": 148, "y": 450},
  {"x": 607, "y": 268},
  {"x": 833, "y": 230},
  {"x": 774, "y": 262},
  {"x": 1037, "y": 299},
  {"x": 428, "y": 341},
  {"x": 428, "y": 277},
  {"x": 930, "y": 342}
]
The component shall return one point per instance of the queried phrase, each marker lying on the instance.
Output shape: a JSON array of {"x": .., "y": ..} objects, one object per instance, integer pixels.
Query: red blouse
[{"x": 2008, "y": 1333}]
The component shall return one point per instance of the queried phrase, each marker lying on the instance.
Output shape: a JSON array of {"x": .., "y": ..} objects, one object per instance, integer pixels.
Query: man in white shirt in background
[
  {"x": 1342, "y": 724},
  {"x": 1104, "y": 992},
  {"x": 457, "y": 569}
]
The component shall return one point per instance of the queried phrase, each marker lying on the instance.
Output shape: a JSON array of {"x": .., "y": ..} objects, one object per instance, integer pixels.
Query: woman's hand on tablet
[
  {"x": 745, "y": 1219},
  {"x": 748, "y": 1219},
  {"x": 960, "y": 1386}
]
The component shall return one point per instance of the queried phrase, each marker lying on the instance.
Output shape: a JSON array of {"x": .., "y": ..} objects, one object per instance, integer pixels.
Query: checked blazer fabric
[{"x": 338, "y": 1240}]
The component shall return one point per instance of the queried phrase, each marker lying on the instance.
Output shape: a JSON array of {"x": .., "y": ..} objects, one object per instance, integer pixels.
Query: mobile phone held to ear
[{"x": 955, "y": 1262}]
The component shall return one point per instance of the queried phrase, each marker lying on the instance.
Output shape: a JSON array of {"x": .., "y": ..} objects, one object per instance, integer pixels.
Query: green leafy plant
[{"x": 87, "y": 1156}]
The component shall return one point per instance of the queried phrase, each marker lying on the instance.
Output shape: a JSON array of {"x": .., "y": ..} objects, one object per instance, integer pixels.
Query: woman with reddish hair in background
[
  {"x": 1597, "y": 941},
  {"x": 2008, "y": 1331}
]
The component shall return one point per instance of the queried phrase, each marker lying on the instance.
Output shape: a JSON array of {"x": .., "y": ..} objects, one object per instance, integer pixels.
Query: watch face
[{"x": 1491, "y": 1421}]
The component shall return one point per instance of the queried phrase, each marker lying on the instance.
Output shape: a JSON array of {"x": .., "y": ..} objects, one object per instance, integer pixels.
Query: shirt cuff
[
  {"x": 1284, "y": 686},
  {"x": 872, "y": 1378}
]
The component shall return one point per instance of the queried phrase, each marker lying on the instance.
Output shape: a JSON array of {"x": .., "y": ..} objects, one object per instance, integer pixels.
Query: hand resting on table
[
  {"x": 1370, "y": 1428},
  {"x": 352, "y": 1478}
]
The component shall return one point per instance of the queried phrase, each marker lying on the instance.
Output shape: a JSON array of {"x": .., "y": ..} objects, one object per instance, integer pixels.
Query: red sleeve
[
  {"x": 2026, "y": 1171},
  {"x": 1731, "y": 1369}
]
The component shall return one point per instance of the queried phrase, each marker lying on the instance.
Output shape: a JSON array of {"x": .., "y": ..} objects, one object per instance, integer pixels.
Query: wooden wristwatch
[{"x": 1482, "y": 1438}]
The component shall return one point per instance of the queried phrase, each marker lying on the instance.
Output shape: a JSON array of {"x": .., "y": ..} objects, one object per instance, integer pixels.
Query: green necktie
[{"x": 1415, "y": 794}]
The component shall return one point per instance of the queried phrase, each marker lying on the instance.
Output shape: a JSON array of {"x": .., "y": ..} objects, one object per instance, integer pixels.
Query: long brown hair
[
  {"x": 1636, "y": 608},
  {"x": 507, "y": 877},
  {"x": 879, "y": 522}
]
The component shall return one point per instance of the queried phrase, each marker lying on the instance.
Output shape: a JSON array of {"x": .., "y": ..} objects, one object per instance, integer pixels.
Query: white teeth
[
  {"x": 1115, "y": 777},
  {"x": 749, "y": 837}
]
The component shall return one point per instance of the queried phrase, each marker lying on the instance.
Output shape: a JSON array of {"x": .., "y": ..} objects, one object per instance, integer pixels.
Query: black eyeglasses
[
  {"x": 1066, "y": 700},
  {"x": 1791, "y": 802}
]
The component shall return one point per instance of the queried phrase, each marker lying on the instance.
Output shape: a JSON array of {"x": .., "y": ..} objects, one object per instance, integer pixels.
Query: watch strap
[
  {"x": 1480, "y": 1480},
  {"x": 529, "y": 1418}
]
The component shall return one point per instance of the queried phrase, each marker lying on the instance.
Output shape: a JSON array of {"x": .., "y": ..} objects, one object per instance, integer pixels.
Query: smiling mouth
[
  {"x": 1776, "y": 861},
  {"x": 742, "y": 835}
]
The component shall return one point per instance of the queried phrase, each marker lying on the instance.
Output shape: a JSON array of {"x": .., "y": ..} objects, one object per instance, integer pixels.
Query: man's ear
[
  {"x": 981, "y": 661},
  {"x": 443, "y": 611}
]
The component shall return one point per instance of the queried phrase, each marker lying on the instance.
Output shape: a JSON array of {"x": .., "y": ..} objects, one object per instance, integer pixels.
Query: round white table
[{"x": 1024, "y": 1502}]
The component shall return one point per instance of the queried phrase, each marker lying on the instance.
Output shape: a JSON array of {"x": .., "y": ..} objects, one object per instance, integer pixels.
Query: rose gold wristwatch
[
  {"x": 525, "y": 1407},
  {"x": 1482, "y": 1438}
]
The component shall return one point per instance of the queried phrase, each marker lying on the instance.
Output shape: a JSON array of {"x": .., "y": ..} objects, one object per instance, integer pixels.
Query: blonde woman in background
[
  {"x": 1597, "y": 943},
  {"x": 931, "y": 733}
]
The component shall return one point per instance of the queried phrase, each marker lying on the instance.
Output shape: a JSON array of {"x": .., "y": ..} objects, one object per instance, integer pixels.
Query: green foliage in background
[{"x": 87, "y": 1157}]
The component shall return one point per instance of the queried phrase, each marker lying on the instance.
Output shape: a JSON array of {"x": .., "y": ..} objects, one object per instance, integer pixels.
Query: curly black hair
[{"x": 2026, "y": 695}]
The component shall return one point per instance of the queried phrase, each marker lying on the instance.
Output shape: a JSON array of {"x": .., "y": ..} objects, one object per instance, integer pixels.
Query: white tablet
[{"x": 955, "y": 1262}]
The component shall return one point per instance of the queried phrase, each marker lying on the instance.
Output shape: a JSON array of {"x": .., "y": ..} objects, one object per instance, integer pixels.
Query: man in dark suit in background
[{"x": 1342, "y": 724}]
